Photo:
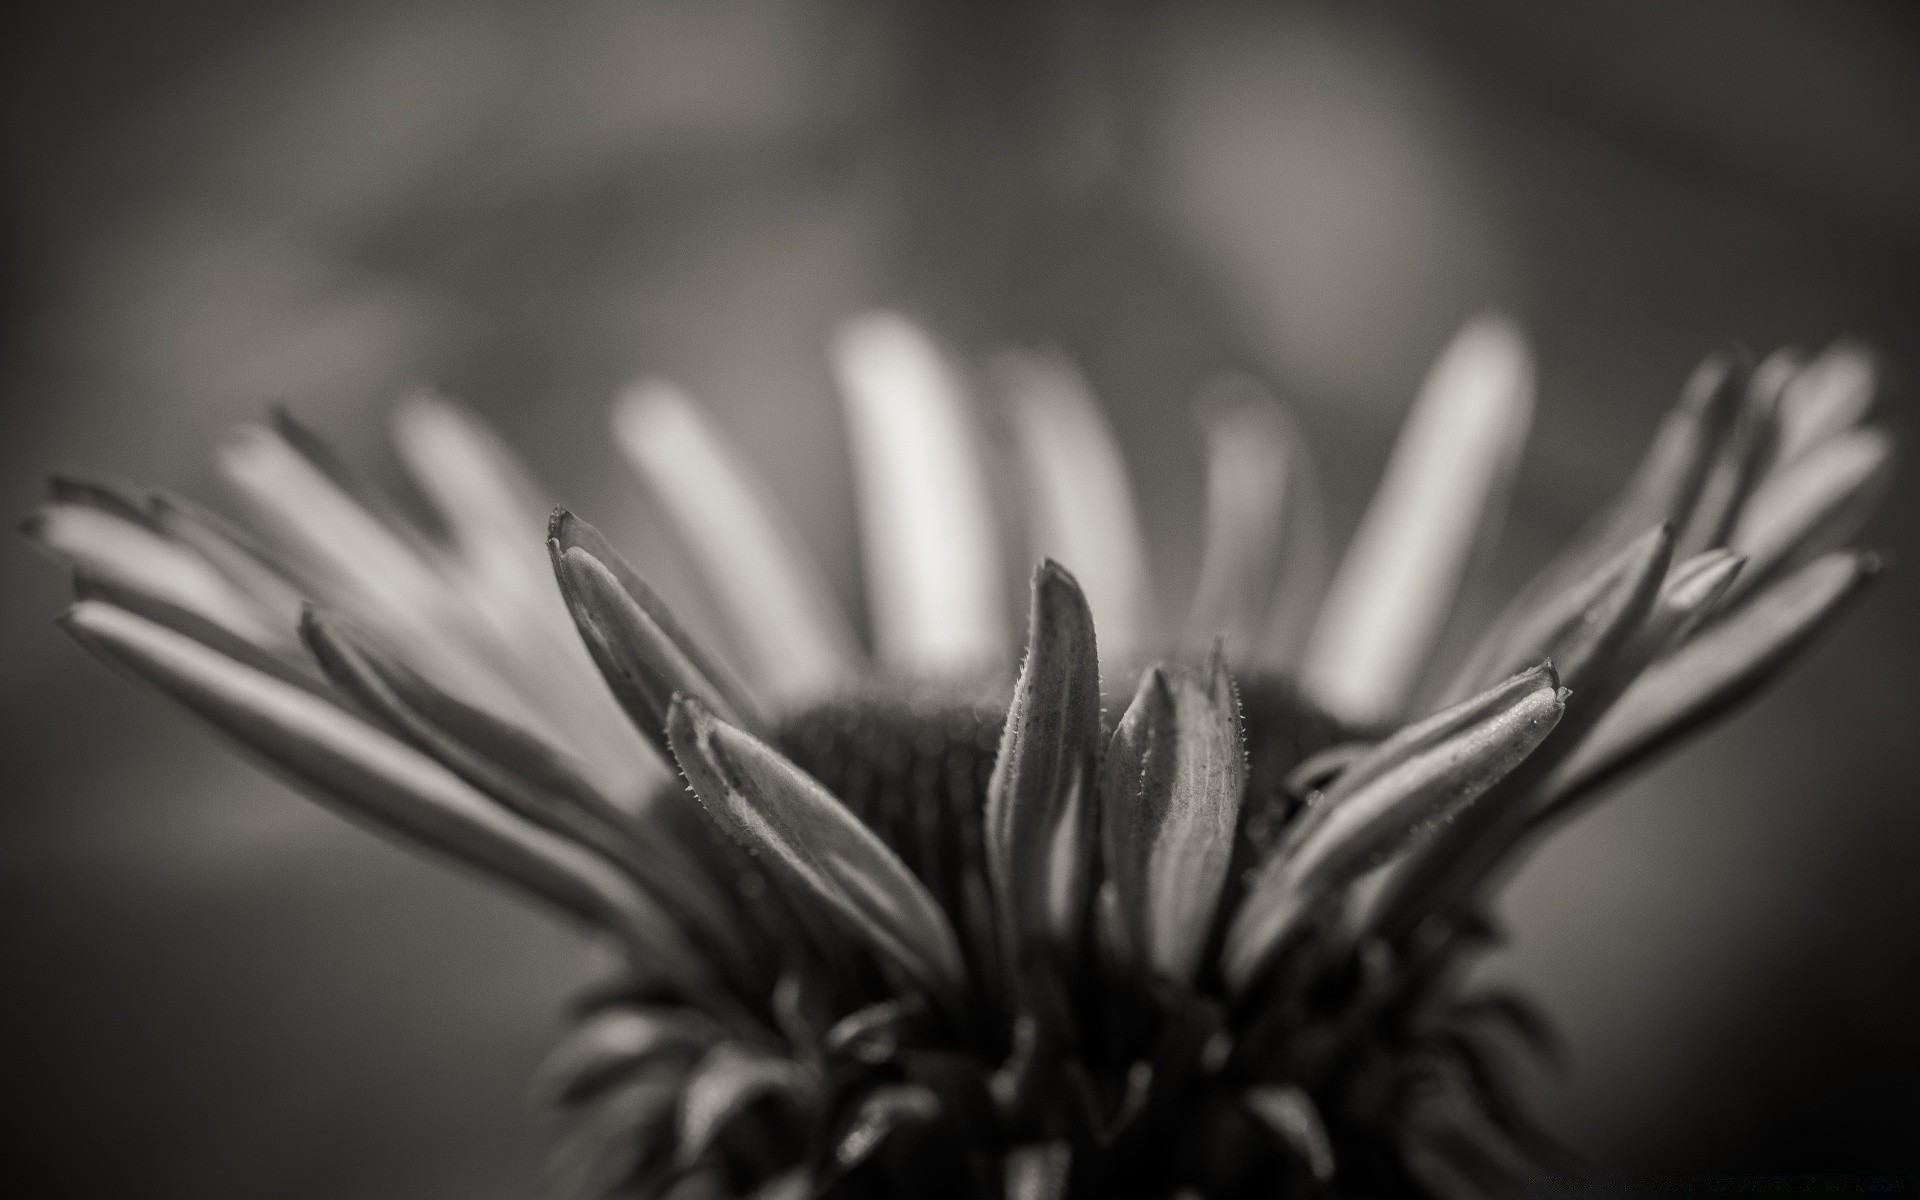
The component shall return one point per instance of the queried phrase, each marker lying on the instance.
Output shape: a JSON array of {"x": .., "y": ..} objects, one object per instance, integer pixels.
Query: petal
[
  {"x": 1170, "y": 802},
  {"x": 1831, "y": 395},
  {"x": 1041, "y": 810},
  {"x": 797, "y": 828},
  {"x": 356, "y": 561},
  {"x": 608, "y": 1044},
  {"x": 728, "y": 1079},
  {"x": 1402, "y": 789},
  {"x": 1741, "y": 461},
  {"x": 885, "y": 1111},
  {"x": 1294, "y": 1118},
  {"x": 1595, "y": 638},
  {"x": 1586, "y": 619},
  {"x": 497, "y": 519},
  {"x": 115, "y": 550},
  {"x": 789, "y": 627},
  {"x": 1664, "y": 489},
  {"x": 1038, "y": 1171},
  {"x": 373, "y": 778},
  {"x": 234, "y": 555},
  {"x": 1714, "y": 673},
  {"x": 1450, "y": 470},
  {"x": 1264, "y": 564},
  {"x": 1082, "y": 506},
  {"x": 645, "y": 654},
  {"x": 532, "y": 777},
  {"x": 492, "y": 508},
  {"x": 927, "y": 521},
  {"x": 1820, "y": 501},
  {"x": 607, "y": 1141}
]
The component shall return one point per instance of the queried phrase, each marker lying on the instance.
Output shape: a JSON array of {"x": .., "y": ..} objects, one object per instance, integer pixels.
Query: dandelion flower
[{"x": 1154, "y": 907}]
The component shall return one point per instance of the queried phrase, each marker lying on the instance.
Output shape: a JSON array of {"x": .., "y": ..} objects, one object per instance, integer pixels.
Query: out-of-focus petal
[
  {"x": 1829, "y": 396},
  {"x": 497, "y": 519},
  {"x": 1082, "y": 511},
  {"x": 1715, "y": 672},
  {"x": 375, "y": 779},
  {"x": 1451, "y": 467},
  {"x": 934, "y": 571},
  {"x": 1819, "y": 502},
  {"x": 119, "y": 552},
  {"x": 790, "y": 629},
  {"x": 1264, "y": 563}
]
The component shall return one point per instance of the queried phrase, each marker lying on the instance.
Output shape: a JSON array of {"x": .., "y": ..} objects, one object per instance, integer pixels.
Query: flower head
[{"x": 1150, "y": 909}]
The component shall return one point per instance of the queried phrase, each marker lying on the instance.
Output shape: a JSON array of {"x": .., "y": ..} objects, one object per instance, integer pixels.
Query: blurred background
[{"x": 211, "y": 988}]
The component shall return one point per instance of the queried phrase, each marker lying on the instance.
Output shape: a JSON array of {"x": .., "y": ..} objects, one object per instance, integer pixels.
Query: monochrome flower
[{"x": 1153, "y": 907}]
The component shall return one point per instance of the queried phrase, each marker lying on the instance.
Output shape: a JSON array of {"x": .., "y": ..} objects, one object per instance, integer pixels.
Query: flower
[{"x": 942, "y": 923}]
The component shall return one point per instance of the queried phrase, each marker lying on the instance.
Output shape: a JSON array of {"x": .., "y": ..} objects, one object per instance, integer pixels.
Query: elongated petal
[
  {"x": 1264, "y": 563},
  {"x": 496, "y": 518},
  {"x": 1038, "y": 1171},
  {"x": 607, "y": 1141},
  {"x": 1040, "y": 810},
  {"x": 1667, "y": 484},
  {"x": 1407, "y": 788},
  {"x": 790, "y": 629},
  {"x": 1663, "y": 490},
  {"x": 885, "y": 1111},
  {"x": 1712, "y": 674},
  {"x": 375, "y": 778},
  {"x": 1170, "y": 801},
  {"x": 116, "y": 550},
  {"x": 493, "y": 510},
  {"x": 1295, "y": 1120},
  {"x": 532, "y": 777},
  {"x": 235, "y": 555},
  {"x": 926, "y": 517},
  {"x": 1831, "y": 395},
  {"x": 1815, "y": 504},
  {"x": 355, "y": 560},
  {"x": 728, "y": 1079},
  {"x": 1742, "y": 460},
  {"x": 646, "y": 656},
  {"x": 610, "y": 1043},
  {"x": 1595, "y": 640},
  {"x": 1590, "y": 615},
  {"x": 1451, "y": 466},
  {"x": 1083, "y": 514},
  {"x": 1692, "y": 592},
  {"x": 797, "y": 828}
]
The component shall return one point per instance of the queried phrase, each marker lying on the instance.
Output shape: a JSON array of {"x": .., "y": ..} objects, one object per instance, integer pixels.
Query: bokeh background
[{"x": 210, "y": 988}]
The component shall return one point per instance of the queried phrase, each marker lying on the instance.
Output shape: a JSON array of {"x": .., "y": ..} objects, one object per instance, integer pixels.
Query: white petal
[
  {"x": 498, "y": 519},
  {"x": 1264, "y": 563},
  {"x": 1829, "y": 396},
  {"x": 1813, "y": 504},
  {"x": 794, "y": 637},
  {"x": 1452, "y": 464},
  {"x": 932, "y": 550},
  {"x": 373, "y": 776},
  {"x": 355, "y": 562},
  {"x": 496, "y": 514},
  {"x": 117, "y": 551},
  {"x": 1082, "y": 508}
]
